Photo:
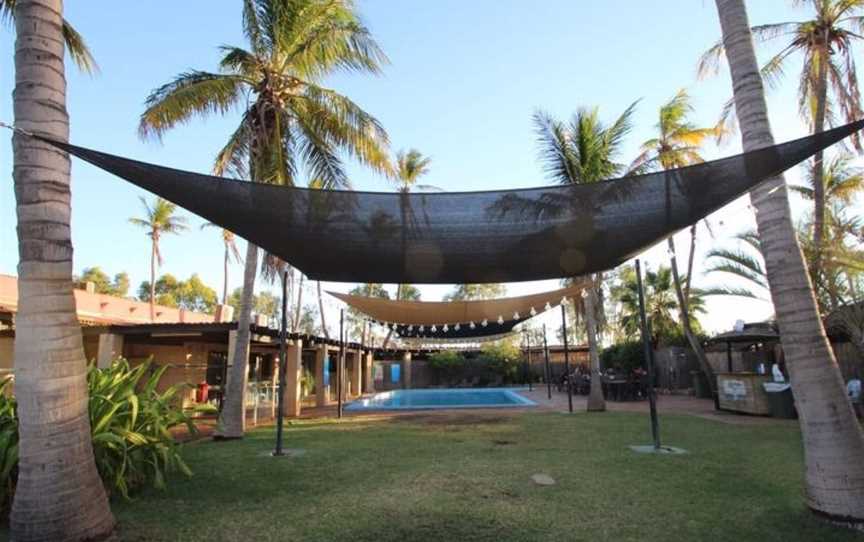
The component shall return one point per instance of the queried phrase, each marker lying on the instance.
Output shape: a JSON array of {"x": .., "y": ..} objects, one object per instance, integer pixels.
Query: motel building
[{"x": 196, "y": 347}]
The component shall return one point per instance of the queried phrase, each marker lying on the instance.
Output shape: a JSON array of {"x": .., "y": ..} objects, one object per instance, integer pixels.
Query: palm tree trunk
[
  {"x": 299, "y": 304},
  {"x": 232, "y": 419},
  {"x": 690, "y": 259},
  {"x": 818, "y": 166},
  {"x": 225, "y": 276},
  {"x": 833, "y": 443},
  {"x": 59, "y": 495},
  {"x": 321, "y": 310},
  {"x": 390, "y": 330},
  {"x": 596, "y": 402},
  {"x": 153, "y": 279},
  {"x": 684, "y": 309}
]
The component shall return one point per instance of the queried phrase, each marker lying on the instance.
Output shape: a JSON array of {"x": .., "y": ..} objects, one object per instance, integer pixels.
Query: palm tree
[
  {"x": 678, "y": 144},
  {"x": 833, "y": 443},
  {"x": 291, "y": 119},
  {"x": 160, "y": 220},
  {"x": 409, "y": 168},
  {"x": 59, "y": 495},
  {"x": 74, "y": 42},
  {"x": 828, "y": 84},
  {"x": 584, "y": 151},
  {"x": 660, "y": 304},
  {"x": 232, "y": 253}
]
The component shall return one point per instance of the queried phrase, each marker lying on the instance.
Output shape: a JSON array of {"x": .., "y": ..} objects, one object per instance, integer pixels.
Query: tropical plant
[
  {"x": 8, "y": 445},
  {"x": 828, "y": 82},
  {"x": 58, "y": 494},
  {"x": 832, "y": 439},
  {"x": 103, "y": 284},
  {"x": 745, "y": 263},
  {"x": 131, "y": 423},
  {"x": 231, "y": 254},
  {"x": 660, "y": 304},
  {"x": 678, "y": 144},
  {"x": 73, "y": 41},
  {"x": 131, "y": 426},
  {"x": 160, "y": 220},
  {"x": 291, "y": 119},
  {"x": 410, "y": 167},
  {"x": 583, "y": 151}
]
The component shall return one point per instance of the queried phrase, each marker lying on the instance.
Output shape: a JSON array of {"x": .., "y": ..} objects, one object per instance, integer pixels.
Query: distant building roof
[
  {"x": 102, "y": 309},
  {"x": 751, "y": 333}
]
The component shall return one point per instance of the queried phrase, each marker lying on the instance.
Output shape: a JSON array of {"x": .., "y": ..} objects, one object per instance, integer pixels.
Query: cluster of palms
[{"x": 290, "y": 124}]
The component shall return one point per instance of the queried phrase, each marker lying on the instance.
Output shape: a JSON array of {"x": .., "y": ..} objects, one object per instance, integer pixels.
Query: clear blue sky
[{"x": 464, "y": 80}]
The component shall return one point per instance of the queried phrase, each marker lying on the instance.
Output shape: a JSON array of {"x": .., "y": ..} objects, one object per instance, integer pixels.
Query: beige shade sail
[{"x": 437, "y": 313}]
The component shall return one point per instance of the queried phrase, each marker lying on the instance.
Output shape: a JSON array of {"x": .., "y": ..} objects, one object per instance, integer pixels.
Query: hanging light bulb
[
  {"x": 457, "y": 326},
  {"x": 533, "y": 312},
  {"x": 471, "y": 325},
  {"x": 564, "y": 301},
  {"x": 445, "y": 328},
  {"x": 434, "y": 329},
  {"x": 410, "y": 328},
  {"x": 516, "y": 315},
  {"x": 547, "y": 307},
  {"x": 421, "y": 329},
  {"x": 500, "y": 319},
  {"x": 484, "y": 323}
]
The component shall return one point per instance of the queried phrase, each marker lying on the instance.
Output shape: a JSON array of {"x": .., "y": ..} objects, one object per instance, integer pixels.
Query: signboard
[{"x": 734, "y": 390}]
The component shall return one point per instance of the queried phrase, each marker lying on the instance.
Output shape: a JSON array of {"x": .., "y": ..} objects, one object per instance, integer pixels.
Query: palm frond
[{"x": 189, "y": 94}]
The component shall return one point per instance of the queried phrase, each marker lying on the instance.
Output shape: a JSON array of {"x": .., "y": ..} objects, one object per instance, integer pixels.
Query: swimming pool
[{"x": 441, "y": 398}]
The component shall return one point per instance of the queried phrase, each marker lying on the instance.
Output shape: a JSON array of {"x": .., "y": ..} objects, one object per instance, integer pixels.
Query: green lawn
[{"x": 470, "y": 480}]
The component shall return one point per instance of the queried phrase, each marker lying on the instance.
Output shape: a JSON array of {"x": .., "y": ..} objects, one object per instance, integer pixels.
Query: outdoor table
[{"x": 616, "y": 387}]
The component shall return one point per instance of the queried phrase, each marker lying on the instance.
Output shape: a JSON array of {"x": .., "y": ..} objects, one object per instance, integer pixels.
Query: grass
[{"x": 468, "y": 478}]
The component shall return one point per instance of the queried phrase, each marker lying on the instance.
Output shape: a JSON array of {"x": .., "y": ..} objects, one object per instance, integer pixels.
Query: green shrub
[
  {"x": 130, "y": 423},
  {"x": 627, "y": 355},
  {"x": 447, "y": 364},
  {"x": 8, "y": 445},
  {"x": 502, "y": 358}
]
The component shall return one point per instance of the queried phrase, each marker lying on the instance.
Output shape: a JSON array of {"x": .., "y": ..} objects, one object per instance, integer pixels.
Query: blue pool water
[{"x": 441, "y": 398}]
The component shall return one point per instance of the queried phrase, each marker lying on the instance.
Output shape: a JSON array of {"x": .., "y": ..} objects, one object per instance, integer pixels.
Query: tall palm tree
[
  {"x": 59, "y": 495},
  {"x": 584, "y": 151},
  {"x": 828, "y": 83},
  {"x": 744, "y": 263},
  {"x": 833, "y": 443},
  {"x": 410, "y": 166},
  {"x": 232, "y": 254},
  {"x": 160, "y": 220},
  {"x": 289, "y": 120},
  {"x": 679, "y": 143},
  {"x": 74, "y": 42}
]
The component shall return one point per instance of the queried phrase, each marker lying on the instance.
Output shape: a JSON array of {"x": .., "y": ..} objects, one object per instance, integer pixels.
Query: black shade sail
[{"x": 465, "y": 237}]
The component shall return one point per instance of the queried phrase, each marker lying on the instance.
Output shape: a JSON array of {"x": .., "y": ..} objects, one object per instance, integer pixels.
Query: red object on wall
[{"x": 203, "y": 390}]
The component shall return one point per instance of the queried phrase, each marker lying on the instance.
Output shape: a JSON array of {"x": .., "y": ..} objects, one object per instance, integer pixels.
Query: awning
[
  {"x": 456, "y": 319},
  {"x": 465, "y": 237}
]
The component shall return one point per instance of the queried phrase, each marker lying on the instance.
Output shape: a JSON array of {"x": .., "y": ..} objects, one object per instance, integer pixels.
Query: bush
[
  {"x": 502, "y": 358},
  {"x": 130, "y": 423},
  {"x": 446, "y": 364},
  {"x": 627, "y": 355}
]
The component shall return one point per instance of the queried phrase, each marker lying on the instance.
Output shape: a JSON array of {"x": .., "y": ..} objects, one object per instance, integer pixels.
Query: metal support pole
[
  {"x": 649, "y": 359},
  {"x": 340, "y": 364},
  {"x": 283, "y": 362},
  {"x": 528, "y": 345},
  {"x": 547, "y": 368},
  {"x": 567, "y": 359}
]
